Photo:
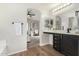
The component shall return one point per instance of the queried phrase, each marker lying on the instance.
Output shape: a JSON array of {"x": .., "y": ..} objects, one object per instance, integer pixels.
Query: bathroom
[{"x": 23, "y": 29}]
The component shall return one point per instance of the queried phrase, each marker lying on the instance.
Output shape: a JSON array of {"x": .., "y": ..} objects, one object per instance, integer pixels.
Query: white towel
[{"x": 17, "y": 28}]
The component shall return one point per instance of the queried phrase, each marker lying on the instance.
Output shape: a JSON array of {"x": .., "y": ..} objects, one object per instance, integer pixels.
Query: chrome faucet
[{"x": 68, "y": 30}]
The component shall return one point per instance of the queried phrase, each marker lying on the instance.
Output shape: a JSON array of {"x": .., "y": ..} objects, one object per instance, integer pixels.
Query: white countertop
[{"x": 60, "y": 31}]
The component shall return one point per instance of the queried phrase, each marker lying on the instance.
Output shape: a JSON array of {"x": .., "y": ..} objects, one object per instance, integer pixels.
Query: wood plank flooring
[
  {"x": 33, "y": 43},
  {"x": 46, "y": 50}
]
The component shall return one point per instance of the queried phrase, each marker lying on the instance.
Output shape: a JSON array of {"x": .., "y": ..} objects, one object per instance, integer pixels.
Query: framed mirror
[
  {"x": 49, "y": 23},
  {"x": 70, "y": 22},
  {"x": 58, "y": 23},
  {"x": 77, "y": 17}
]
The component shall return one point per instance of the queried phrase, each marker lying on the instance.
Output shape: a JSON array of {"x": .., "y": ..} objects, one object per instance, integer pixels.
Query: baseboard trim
[
  {"x": 44, "y": 44},
  {"x": 16, "y": 52}
]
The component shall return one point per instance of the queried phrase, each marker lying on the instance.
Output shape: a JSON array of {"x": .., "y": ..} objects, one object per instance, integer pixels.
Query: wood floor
[
  {"x": 40, "y": 51},
  {"x": 33, "y": 43}
]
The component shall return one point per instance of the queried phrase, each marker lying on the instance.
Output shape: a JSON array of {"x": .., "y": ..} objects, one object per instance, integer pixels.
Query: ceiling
[
  {"x": 46, "y": 8},
  {"x": 43, "y": 7},
  {"x": 39, "y": 6}
]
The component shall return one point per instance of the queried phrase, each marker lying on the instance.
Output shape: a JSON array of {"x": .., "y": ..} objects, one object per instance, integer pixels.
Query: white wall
[
  {"x": 44, "y": 39},
  {"x": 11, "y": 13}
]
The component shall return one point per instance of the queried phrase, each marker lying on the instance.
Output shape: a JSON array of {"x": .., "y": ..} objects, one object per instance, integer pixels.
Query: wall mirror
[
  {"x": 58, "y": 23},
  {"x": 77, "y": 17},
  {"x": 49, "y": 23},
  {"x": 70, "y": 22}
]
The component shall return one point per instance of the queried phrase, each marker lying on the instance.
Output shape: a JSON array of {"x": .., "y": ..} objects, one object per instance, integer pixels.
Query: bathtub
[{"x": 2, "y": 47}]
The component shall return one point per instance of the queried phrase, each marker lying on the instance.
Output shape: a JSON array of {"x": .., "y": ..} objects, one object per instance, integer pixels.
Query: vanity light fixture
[{"x": 60, "y": 7}]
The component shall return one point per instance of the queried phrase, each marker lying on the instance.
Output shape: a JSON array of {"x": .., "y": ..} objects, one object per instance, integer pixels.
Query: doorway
[{"x": 33, "y": 20}]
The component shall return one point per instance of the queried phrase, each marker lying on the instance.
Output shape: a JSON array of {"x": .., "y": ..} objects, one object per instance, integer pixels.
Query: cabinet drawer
[
  {"x": 56, "y": 42},
  {"x": 57, "y": 47}
]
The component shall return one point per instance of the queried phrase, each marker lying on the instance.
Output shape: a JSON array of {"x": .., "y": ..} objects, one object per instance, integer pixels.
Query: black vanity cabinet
[
  {"x": 57, "y": 41},
  {"x": 70, "y": 45},
  {"x": 66, "y": 44}
]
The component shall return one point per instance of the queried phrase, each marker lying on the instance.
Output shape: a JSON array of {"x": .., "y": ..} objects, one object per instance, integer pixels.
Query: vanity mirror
[
  {"x": 70, "y": 22},
  {"x": 58, "y": 23},
  {"x": 49, "y": 23},
  {"x": 77, "y": 17}
]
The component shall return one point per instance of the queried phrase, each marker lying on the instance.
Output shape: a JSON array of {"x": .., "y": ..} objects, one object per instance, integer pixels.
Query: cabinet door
[
  {"x": 76, "y": 44},
  {"x": 68, "y": 45},
  {"x": 57, "y": 41}
]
